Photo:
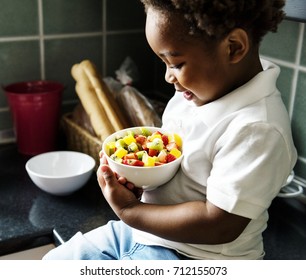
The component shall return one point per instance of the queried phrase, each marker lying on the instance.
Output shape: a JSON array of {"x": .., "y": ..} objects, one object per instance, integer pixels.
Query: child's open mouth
[{"x": 188, "y": 95}]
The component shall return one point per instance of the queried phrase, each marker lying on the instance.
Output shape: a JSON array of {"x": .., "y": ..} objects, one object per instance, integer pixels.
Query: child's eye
[{"x": 178, "y": 66}]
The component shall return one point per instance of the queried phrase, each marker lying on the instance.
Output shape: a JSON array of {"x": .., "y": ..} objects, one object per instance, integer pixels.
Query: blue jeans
[{"x": 113, "y": 241}]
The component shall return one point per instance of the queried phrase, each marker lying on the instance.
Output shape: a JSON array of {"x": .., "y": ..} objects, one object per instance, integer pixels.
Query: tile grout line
[
  {"x": 302, "y": 159},
  {"x": 72, "y": 35},
  {"x": 104, "y": 37},
  {"x": 19, "y": 38},
  {"x": 296, "y": 69},
  {"x": 41, "y": 41},
  {"x": 285, "y": 63},
  {"x": 298, "y": 59},
  {"x": 68, "y": 35}
]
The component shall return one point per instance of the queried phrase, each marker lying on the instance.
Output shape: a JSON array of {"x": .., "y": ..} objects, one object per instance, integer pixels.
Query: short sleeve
[{"x": 250, "y": 165}]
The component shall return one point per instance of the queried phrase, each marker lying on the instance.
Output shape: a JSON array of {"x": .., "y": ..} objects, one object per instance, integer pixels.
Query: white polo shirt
[{"x": 238, "y": 153}]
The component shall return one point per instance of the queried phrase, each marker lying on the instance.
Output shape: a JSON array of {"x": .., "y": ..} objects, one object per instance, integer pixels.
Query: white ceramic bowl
[
  {"x": 60, "y": 172},
  {"x": 147, "y": 178}
]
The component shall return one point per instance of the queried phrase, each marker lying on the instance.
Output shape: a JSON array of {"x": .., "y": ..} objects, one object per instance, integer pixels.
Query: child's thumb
[{"x": 107, "y": 173}]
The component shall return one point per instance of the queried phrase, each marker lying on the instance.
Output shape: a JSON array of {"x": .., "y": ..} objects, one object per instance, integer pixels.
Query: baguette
[
  {"x": 105, "y": 96},
  {"x": 93, "y": 107}
]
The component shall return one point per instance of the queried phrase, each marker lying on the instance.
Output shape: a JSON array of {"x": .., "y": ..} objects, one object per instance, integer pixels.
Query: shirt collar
[{"x": 261, "y": 86}]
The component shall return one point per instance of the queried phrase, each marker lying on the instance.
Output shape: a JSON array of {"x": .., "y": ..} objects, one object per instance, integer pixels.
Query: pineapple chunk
[
  {"x": 154, "y": 136},
  {"x": 129, "y": 139},
  {"x": 174, "y": 137},
  {"x": 147, "y": 160},
  {"x": 176, "y": 152},
  {"x": 121, "y": 152},
  {"x": 110, "y": 148}
]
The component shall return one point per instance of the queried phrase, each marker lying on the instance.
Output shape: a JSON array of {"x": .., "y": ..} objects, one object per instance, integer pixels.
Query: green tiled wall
[
  {"x": 287, "y": 48},
  {"x": 42, "y": 39},
  {"x": 65, "y": 17},
  {"x": 18, "y": 20}
]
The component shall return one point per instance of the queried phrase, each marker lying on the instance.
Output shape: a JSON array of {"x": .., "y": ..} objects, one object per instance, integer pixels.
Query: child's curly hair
[{"x": 216, "y": 18}]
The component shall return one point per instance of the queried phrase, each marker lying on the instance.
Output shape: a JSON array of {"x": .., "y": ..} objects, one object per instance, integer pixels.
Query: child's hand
[
  {"x": 119, "y": 193},
  {"x": 137, "y": 191}
]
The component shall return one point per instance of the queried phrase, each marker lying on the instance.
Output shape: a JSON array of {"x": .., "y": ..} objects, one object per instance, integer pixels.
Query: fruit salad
[{"x": 145, "y": 149}]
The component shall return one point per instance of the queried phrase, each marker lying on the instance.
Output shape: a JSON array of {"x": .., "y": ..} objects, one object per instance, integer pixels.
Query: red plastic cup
[{"x": 35, "y": 107}]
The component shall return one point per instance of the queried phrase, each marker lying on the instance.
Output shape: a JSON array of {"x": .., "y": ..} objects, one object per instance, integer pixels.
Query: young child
[{"x": 238, "y": 148}]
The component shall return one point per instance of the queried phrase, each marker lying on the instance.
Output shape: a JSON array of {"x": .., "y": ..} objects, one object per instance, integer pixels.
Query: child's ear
[{"x": 237, "y": 42}]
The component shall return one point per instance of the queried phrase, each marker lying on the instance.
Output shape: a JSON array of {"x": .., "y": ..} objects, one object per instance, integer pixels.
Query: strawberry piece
[
  {"x": 165, "y": 139},
  {"x": 170, "y": 158},
  {"x": 141, "y": 139},
  {"x": 133, "y": 162},
  {"x": 130, "y": 156},
  {"x": 152, "y": 152}
]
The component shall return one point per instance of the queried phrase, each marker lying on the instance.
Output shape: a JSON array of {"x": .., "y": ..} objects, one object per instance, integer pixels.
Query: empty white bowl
[
  {"x": 147, "y": 178},
  {"x": 60, "y": 172}
]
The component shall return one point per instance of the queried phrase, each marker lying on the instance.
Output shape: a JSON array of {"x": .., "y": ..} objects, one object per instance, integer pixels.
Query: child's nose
[{"x": 169, "y": 77}]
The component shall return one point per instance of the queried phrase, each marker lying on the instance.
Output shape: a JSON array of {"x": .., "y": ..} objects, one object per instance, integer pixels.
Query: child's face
[{"x": 201, "y": 73}]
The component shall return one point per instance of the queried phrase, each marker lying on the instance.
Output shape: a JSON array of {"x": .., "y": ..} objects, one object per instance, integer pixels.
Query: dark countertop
[{"x": 30, "y": 217}]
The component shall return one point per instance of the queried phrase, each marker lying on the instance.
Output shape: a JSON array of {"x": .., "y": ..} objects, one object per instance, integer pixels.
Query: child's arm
[{"x": 190, "y": 222}]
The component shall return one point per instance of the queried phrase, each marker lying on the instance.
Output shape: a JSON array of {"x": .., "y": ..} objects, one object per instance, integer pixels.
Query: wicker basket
[{"x": 79, "y": 139}]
